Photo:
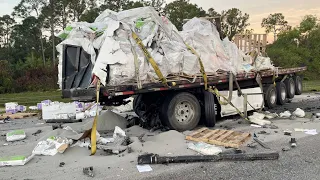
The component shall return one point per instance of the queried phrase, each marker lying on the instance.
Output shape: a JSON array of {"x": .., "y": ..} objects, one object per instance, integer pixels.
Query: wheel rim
[
  {"x": 283, "y": 93},
  {"x": 184, "y": 112},
  {"x": 273, "y": 97},
  {"x": 292, "y": 91}
]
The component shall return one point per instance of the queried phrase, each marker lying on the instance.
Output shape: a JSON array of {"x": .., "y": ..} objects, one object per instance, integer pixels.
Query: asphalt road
[{"x": 301, "y": 163}]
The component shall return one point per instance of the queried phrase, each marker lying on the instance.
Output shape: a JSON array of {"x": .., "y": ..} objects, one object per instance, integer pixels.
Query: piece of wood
[
  {"x": 17, "y": 116},
  {"x": 219, "y": 137}
]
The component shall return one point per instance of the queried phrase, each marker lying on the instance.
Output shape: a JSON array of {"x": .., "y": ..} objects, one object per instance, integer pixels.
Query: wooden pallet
[
  {"x": 220, "y": 137},
  {"x": 17, "y": 116}
]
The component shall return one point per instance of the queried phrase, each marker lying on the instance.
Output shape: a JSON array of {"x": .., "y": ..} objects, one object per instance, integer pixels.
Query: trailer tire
[
  {"x": 298, "y": 85},
  {"x": 290, "y": 85},
  {"x": 181, "y": 111},
  {"x": 281, "y": 93},
  {"x": 271, "y": 96},
  {"x": 136, "y": 101},
  {"x": 210, "y": 110}
]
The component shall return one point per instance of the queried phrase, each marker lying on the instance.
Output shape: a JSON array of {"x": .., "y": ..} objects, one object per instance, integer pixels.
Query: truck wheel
[
  {"x": 271, "y": 96},
  {"x": 290, "y": 85},
  {"x": 281, "y": 93},
  {"x": 210, "y": 110},
  {"x": 181, "y": 111},
  {"x": 136, "y": 101},
  {"x": 298, "y": 85}
]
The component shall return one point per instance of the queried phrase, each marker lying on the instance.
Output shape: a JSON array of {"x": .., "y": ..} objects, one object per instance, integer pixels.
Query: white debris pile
[
  {"x": 13, "y": 108},
  {"x": 111, "y": 34}
]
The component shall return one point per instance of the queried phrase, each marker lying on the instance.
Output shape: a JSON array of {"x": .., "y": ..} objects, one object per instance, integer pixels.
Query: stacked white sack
[{"x": 166, "y": 45}]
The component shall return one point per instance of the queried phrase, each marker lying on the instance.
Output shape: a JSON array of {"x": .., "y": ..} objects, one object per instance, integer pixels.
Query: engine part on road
[{"x": 156, "y": 159}]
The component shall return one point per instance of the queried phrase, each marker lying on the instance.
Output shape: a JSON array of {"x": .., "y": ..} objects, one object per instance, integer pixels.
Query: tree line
[{"x": 28, "y": 58}]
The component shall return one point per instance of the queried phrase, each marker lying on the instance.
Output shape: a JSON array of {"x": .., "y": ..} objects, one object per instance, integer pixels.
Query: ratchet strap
[
  {"x": 94, "y": 125},
  {"x": 203, "y": 72},
  {"x": 150, "y": 59}
]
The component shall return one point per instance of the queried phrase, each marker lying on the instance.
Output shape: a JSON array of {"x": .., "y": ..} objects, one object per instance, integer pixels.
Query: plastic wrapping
[{"x": 111, "y": 35}]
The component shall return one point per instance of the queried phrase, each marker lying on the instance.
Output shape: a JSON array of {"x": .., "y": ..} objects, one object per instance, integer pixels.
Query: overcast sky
[{"x": 293, "y": 10}]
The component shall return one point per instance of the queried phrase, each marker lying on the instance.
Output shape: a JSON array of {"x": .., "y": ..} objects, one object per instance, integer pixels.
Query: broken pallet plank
[
  {"x": 17, "y": 116},
  {"x": 219, "y": 137}
]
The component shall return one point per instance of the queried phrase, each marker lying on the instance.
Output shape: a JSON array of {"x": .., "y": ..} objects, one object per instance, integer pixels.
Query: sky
[{"x": 293, "y": 10}]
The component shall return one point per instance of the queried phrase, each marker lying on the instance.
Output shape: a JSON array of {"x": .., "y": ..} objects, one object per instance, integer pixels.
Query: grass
[
  {"x": 30, "y": 98},
  {"x": 313, "y": 85}
]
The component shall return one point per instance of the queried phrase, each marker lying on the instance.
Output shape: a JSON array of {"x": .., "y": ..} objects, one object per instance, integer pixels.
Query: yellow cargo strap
[
  {"x": 203, "y": 72},
  {"x": 94, "y": 125},
  {"x": 150, "y": 59},
  {"x": 216, "y": 92}
]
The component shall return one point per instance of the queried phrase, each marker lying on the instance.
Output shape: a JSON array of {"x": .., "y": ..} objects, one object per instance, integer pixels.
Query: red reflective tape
[{"x": 128, "y": 92}]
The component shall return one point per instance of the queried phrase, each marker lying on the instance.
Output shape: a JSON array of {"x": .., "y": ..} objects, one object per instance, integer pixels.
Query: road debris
[
  {"x": 311, "y": 131},
  {"x": 15, "y": 160},
  {"x": 144, "y": 168},
  {"x": 52, "y": 146},
  {"x": 286, "y": 149},
  {"x": 252, "y": 145},
  {"x": 255, "y": 138},
  {"x": 219, "y": 137},
  {"x": 263, "y": 132},
  {"x": 15, "y": 135},
  {"x": 257, "y": 126},
  {"x": 285, "y": 114},
  {"x": 156, "y": 159},
  {"x": 257, "y": 118},
  {"x": 62, "y": 164},
  {"x": 272, "y": 126},
  {"x": 293, "y": 142},
  {"x": 88, "y": 171},
  {"x": 204, "y": 148},
  {"x": 37, "y": 132},
  {"x": 287, "y": 132},
  {"x": 299, "y": 113}
]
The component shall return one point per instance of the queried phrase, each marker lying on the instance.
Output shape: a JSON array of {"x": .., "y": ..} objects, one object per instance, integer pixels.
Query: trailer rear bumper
[{"x": 82, "y": 95}]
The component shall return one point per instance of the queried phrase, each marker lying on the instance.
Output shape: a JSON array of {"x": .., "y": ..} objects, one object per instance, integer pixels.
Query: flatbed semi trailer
[{"x": 185, "y": 101}]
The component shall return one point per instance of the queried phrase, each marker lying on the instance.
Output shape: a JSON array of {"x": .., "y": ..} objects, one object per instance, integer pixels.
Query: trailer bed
[{"x": 180, "y": 82}]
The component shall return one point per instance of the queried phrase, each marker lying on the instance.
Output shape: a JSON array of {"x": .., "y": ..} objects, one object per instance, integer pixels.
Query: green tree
[
  {"x": 275, "y": 23},
  {"x": 308, "y": 23},
  {"x": 179, "y": 10},
  {"x": 25, "y": 9},
  {"x": 234, "y": 22}
]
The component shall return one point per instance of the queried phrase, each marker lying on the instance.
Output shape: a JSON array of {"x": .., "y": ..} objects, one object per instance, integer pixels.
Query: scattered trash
[
  {"x": 257, "y": 118},
  {"x": 272, "y": 126},
  {"x": 293, "y": 142},
  {"x": 204, "y": 148},
  {"x": 118, "y": 132},
  {"x": 293, "y": 117},
  {"x": 156, "y": 159},
  {"x": 5, "y": 144},
  {"x": 16, "y": 135},
  {"x": 257, "y": 126},
  {"x": 287, "y": 133},
  {"x": 311, "y": 131},
  {"x": 286, "y": 149},
  {"x": 88, "y": 171},
  {"x": 144, "y": 168},
  {"x": 62, "y": 164},
  {"x": 261, "y": 143},
  {"x": 37, "y": 132},
  {"x": 299, "y": 113},
  {"x": 285, "y": 114},
  {"x": 15, "y": 160},
  {"x": 317, "y": 115},
  {"x": 270, "y": 115},
  {"x": 102, "y": 140},
  {"x": 52, "y": 146},
  {"x": 86, "y": 144},
  {"x": 313, "y": 117},
  {"x": 299, "y": 130}
]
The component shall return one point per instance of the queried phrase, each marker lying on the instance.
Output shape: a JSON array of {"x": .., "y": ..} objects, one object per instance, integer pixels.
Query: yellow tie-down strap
[
  {"x": 150, "y": 59},
  {"x": 94, "y": 125},
  {"x": 216, "y": 92},
  {"x": 203, "y": 72}
]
